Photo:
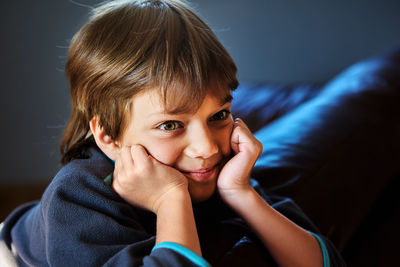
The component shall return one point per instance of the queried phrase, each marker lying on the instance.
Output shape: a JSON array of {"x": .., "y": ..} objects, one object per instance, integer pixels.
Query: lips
[{"x": 202, "y": 175}]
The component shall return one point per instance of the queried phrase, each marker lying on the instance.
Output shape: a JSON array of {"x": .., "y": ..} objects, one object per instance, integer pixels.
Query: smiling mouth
[{"x": 202, "y": 175}]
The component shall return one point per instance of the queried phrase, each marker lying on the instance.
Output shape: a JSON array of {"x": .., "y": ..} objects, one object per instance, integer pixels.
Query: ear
[{"x": 103, "y": 140}]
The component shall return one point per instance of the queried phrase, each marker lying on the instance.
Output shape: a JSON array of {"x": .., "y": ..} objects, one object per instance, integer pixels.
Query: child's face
[{"x": 197, "y": 144}]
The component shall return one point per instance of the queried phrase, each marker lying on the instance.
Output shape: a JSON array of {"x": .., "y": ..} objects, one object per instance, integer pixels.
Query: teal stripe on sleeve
[
  {"x": 109, "y": 179},
  {"x": 324, "y": 250},
  {"x": 193, "y": 257}
]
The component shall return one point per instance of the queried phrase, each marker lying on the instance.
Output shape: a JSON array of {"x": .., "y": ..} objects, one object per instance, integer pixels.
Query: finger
[
  {"x": 140, "y": 155},
  {"x": 243, "y": 139},
  {"x": 125, "y": 157},
  {"x": 240, "y": 122},
  {"x": 235, "y": 141},
  {"x": 123, "y": 165},
  {"x": 238, "y": 138},
  {"x": 240, "y": 135},
  {"x": 117, "y": 162}
]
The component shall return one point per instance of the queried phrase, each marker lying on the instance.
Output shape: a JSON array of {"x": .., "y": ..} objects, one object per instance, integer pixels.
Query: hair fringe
[{"x": 128, "y": 47}]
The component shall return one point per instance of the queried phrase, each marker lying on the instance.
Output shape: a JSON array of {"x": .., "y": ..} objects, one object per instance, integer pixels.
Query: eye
[
  {"x": 169, "y": 126},
  {"x": 220, "y": 116}
]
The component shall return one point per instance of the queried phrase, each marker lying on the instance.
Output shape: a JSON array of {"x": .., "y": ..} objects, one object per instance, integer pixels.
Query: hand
[
  {"x": 235, "y": 175},
  {"x": 143, "y": 181}
]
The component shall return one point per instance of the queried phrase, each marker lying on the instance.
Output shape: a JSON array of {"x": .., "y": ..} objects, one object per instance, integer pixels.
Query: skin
[
  {"x": 186, "y": 142},
  {"x": 164, "y": 162}
]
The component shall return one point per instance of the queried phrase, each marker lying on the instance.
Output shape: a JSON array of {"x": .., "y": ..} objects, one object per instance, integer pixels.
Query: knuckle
[{"x": 260, "y": 147}]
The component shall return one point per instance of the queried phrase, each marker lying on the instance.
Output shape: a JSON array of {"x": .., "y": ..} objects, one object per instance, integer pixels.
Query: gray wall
[{"x": 271, "y": 40}]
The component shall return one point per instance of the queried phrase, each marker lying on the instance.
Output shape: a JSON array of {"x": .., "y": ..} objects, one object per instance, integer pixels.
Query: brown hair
[{"x": 130, "y": 46}]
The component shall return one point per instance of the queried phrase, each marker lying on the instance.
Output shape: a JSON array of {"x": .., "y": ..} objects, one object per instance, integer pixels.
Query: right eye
[{"x": 169, "y": 126}]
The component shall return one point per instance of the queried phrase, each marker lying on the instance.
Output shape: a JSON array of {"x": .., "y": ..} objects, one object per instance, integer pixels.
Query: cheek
[
  {"x": 166, "y": 152},
  {"x": 224, "y": 140}
]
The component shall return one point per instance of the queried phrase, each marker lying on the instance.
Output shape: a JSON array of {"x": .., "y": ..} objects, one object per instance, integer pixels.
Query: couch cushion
[
  {"x": 335, "y": 151},
  {"x": 260, "y": 104}
]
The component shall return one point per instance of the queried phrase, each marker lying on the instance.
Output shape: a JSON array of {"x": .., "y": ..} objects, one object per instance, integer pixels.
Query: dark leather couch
[{"x": 335, "y": 149}]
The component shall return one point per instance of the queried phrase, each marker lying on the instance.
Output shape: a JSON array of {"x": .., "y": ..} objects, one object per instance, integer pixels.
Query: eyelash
[
  {"x": 178, "y": 124},
  {"x": 167, "y": 122},
  {"x": 225, "y": 111}
]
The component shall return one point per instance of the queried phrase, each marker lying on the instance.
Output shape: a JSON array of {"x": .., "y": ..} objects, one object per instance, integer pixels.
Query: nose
[{"x": 201, "y": 143}]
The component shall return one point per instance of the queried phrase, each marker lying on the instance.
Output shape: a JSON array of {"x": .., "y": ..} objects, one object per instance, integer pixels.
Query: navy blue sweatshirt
[{"x": 81, "y": 221}]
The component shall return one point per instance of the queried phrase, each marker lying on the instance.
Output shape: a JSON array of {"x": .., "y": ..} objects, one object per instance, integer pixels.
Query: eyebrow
[{"x": 228, "y": 98}]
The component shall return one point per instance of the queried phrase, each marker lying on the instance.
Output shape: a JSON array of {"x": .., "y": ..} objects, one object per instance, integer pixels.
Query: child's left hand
[{"x": 235, "y": 175}]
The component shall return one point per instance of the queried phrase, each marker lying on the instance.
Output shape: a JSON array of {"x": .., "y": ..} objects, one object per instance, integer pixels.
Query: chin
[{"x": 200, "y": 192}]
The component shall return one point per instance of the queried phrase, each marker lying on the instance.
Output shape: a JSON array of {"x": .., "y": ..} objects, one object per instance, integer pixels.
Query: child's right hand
[{"x": 143, "y": 181}]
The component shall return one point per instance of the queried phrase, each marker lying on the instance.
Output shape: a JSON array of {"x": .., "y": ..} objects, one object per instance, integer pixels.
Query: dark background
[{"x": 270, "y": 40}]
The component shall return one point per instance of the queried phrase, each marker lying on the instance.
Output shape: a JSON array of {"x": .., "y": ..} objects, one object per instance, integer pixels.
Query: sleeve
[
  {"x": 163, "y": 254},
  {"x": 163, "y": 248},
  {"x": 81, "y": 221},
  {"x": 188, "y": 254},
  {"x": 324, "y": 250}
]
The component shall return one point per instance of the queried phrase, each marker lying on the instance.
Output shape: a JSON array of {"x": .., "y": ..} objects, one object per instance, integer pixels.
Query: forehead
[
  {"x": 150, "y": 103},
  {"x": 181, "y": 101}
]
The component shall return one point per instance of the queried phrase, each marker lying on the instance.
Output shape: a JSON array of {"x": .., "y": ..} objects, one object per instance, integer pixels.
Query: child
[{"x": 157, "y": 172}]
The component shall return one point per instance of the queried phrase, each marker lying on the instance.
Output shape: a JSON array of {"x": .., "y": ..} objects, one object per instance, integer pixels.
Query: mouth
[{"x": 202, "y": 175}]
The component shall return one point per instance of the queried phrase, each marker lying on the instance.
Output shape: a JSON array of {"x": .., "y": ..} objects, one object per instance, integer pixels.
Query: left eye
[
  {"x": 168, "y": 126},
  {"x": 220, "y": 116}
]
